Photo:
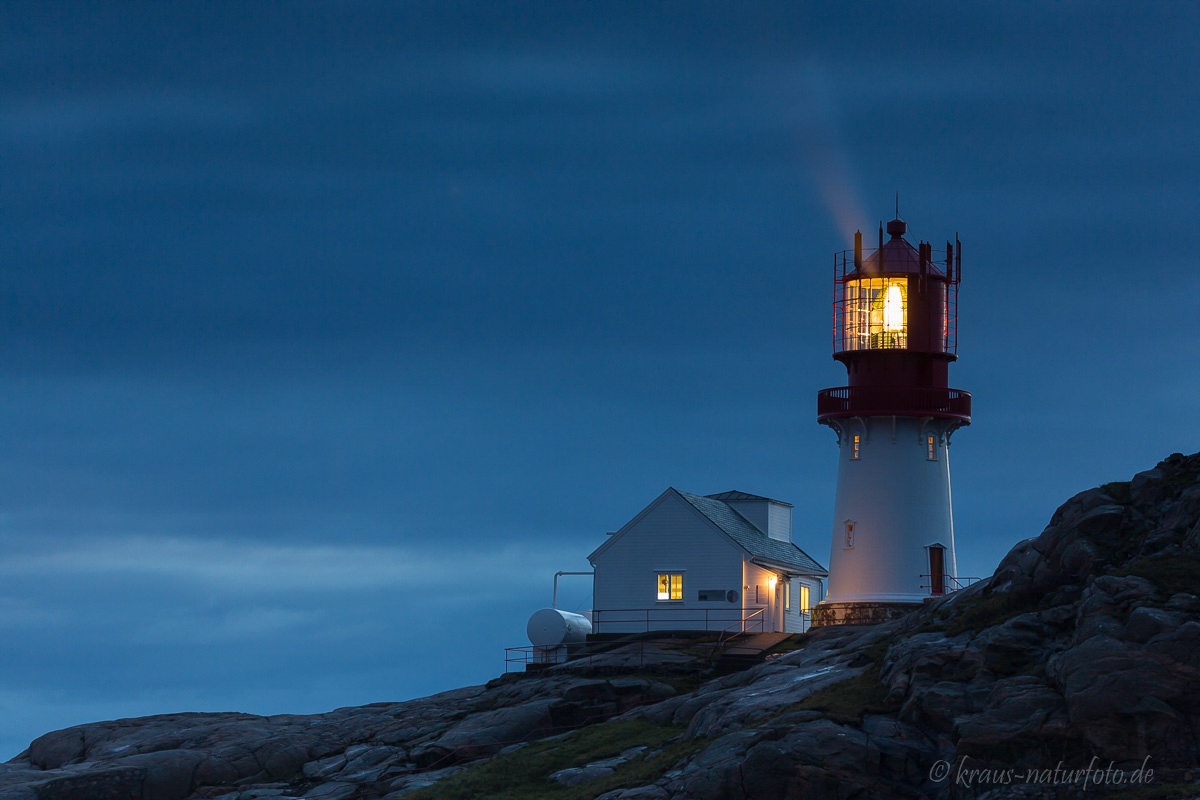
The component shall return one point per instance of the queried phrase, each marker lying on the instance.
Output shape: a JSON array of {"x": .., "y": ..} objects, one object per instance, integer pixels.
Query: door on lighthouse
[{"x": 937, "y": 570}]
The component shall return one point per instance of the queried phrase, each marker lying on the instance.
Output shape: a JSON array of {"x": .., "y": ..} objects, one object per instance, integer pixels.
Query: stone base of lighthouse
[{"x": 859, "y": 613}]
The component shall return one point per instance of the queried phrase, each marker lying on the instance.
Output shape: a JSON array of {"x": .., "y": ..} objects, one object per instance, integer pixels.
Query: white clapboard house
[{"x": 725, "y": 562}]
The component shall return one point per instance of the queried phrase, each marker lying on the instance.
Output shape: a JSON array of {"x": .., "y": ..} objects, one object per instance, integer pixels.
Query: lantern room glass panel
[{"x": 876, "y": 315}]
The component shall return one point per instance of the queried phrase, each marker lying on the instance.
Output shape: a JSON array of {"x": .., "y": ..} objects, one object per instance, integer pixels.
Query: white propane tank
[{"x": 550, "y": 627}]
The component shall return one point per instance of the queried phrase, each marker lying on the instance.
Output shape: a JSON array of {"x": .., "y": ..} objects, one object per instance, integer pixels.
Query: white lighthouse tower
[{"x": 895, "y": 329}]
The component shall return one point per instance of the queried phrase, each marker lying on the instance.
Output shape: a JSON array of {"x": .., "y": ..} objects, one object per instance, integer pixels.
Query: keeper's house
[{"x": 725, "y": 562}]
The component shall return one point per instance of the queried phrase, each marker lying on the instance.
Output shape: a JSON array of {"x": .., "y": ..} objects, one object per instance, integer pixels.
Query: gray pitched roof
[
  {"x": 735, "y": 496},
  {"x": 751, "y": 539}
]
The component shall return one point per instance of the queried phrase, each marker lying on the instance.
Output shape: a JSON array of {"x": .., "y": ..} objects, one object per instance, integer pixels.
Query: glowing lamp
[
  {"x": 876, "y": 313},
  {"x": 893, "y": 310}
]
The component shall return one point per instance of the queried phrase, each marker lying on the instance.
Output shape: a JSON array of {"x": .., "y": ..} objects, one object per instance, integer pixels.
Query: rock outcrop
[{"x": 1073, "y": 670}]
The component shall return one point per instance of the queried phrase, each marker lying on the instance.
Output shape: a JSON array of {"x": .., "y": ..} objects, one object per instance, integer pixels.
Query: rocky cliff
[{"x": 1073, "y": 670}]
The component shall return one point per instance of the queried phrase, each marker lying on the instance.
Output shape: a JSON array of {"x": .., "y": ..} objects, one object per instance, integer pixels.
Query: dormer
[{"x": 772, "y": 517}]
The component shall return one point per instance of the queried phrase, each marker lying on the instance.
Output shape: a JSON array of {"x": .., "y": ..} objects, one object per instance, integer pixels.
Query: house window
[
  {"x": 854, "y": 452},
  {"x": 803, "y": 599},
  {"x": 787, "y": 595},
  {"x": 850, "y": 523},
  {"x": 932, "y": 448},
  {"x": 670, "y": 586}
]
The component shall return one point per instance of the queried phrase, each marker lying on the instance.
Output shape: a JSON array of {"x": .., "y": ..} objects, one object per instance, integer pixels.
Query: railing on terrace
[
  {"x": 950, "y": 583},
  {"x": 740, "y": 626},
  {"x": 635, "y": 620},
  {"x": 632, "y": 652},
  {"x": 885, "y": 401}
]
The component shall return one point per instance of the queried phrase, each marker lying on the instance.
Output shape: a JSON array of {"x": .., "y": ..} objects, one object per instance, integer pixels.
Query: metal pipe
[{"x": 554, "y": 602}]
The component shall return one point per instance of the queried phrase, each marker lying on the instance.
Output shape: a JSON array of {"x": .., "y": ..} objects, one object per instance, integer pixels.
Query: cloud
[
  {"x": 22, "y": 613},
  {"x": 118, "y": 113},
  {"x": 255, "y": 567}
]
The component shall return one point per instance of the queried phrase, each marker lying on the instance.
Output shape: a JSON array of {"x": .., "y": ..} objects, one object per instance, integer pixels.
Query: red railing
[
  {"x": 950, "y": 583},
  {"x": 886, "y": 401},
  {"x": 701, "y": 619}
]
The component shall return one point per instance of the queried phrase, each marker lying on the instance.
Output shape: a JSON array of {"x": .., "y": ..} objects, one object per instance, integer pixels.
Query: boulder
[{"x": 57, "y": 748}]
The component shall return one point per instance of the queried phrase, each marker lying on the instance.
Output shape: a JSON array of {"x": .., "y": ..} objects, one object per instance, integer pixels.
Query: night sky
[{"x": 332, "y": 331}]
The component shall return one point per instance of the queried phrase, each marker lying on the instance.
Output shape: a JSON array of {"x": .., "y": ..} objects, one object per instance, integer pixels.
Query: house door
[
  {"x": 937, "y": 570},
  {"x": 780, "y": 610}
]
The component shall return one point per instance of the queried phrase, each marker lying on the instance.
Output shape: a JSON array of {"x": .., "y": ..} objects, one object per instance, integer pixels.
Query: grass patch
[
  {"x": 847, "y": 701},
  {"x": 1176, "y": 481},
  {"x": 682, "y": 683},
  {"x": 1008, "y": 665},
  {"x": 987, "y": 610},
  {"x": 524, "y": 774},
  {"x": 791, "y": 644},
  {"x": 1170, "y": 572},
  {"x": 872, "y": 655},
  {"x": 1118, "y": 491}
]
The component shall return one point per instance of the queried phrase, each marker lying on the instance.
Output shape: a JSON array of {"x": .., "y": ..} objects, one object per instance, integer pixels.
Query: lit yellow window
[
  {"x": 876, "y": 316},
  {"x": 803, "y": 599},
  {"x": 787, "y": 595},
  {"x": 932, "y": 448},
  {"x": 857, "y": 442},
  {"x": 670, "y": 586}
]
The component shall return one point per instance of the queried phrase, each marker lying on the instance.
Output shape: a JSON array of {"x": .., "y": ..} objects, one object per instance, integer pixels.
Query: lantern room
[
  {"x": 895, "y": 327},
  {"x": 897, "y": 297}
]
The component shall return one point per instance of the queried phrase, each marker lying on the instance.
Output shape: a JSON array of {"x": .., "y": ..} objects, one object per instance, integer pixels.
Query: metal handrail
[
  {"x": 587, "y": 651},
  {"x": 947, "y": 580},
  {"x": 742, "y": 622},
  {"x": 535, "y": 654},
  {"x": 646, "y": 616}
]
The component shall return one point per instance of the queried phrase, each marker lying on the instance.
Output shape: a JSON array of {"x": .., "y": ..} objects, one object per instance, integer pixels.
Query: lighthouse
[{"x": 895, "y": 326}]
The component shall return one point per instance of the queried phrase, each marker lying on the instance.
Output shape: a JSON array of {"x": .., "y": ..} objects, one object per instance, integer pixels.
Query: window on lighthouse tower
[{"x": 932, "y": 448}]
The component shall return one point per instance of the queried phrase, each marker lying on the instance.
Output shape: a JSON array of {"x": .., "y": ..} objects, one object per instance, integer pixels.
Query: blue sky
[{"x": 332, "y": 330}]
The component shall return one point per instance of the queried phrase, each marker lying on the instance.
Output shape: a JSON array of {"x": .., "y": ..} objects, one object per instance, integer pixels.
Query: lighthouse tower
[{"x": 895, "y": 329}]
